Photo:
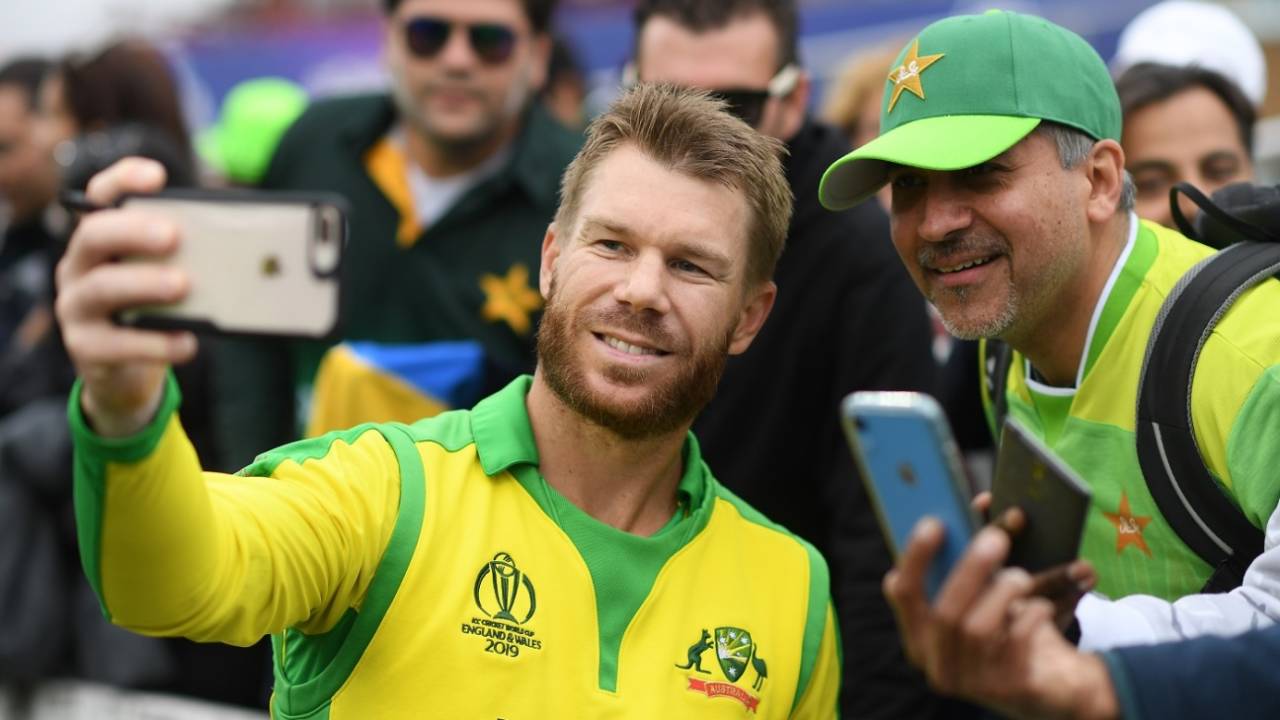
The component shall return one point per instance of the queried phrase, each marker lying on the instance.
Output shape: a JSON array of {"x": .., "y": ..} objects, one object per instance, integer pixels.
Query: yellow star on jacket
[
  {"x": 907, "y": 75},
  {"x": 510, "y": 298}
]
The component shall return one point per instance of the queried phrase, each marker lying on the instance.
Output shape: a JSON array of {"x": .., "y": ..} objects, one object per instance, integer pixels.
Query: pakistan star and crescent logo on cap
[{"x": 907, "y": 75}]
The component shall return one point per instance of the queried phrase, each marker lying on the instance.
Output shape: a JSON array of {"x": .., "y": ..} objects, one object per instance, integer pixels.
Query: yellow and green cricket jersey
[
  {"x": 1236, "y": 418},
  {"x": 430, "y": 571}
]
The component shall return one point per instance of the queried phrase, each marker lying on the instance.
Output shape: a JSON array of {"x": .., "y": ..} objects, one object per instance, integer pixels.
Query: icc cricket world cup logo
[{"x": 501, "y": 584}]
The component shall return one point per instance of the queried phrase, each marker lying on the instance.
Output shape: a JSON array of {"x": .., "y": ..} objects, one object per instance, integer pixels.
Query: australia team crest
[{"x": 736, "y": 654}]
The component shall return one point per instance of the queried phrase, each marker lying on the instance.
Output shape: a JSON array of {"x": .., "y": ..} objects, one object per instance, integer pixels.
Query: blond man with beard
[{"x": 561, "y": 550}]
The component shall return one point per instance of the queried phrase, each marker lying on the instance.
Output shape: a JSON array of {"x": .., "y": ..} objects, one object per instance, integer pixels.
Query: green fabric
[
  {"x": 429, "y": 292},
  {"x": 623, "y": 566},
  {"x": 1126, "y": 698},
  {"x": 1105, "y": 453},
  {"x": 329, "y": 663},
  {"x": 1256, "y": 426},
  {"x": 986, "y": 81},
  {"x": 1053, "y": 411},
  {"x": 92, "y": 453},
  {"x": 819, "y": 597},
  {"x": 1141, "y": 258}
]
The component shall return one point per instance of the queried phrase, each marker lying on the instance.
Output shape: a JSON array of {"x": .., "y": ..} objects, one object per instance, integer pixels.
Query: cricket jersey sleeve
[
  {"x": 819, "y": 698},
  {"x": 292, "y": 540}
]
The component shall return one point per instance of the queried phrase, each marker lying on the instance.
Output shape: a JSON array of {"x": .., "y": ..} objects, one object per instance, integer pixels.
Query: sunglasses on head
[
  {"x": 491, "y": 42},
  {"x": 746, "y": 105}
]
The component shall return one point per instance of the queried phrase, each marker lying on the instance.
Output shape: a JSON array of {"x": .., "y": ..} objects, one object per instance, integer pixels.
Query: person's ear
[
  {"x": 550, "y": 253},
  {"x": 539, "y": 60},
  {"x": 752, "y": 316},
  {"x": 1104, "y": 170}
]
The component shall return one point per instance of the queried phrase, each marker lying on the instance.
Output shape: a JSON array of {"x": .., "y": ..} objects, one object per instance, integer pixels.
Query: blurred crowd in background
[{"x": 210, "y": 87}]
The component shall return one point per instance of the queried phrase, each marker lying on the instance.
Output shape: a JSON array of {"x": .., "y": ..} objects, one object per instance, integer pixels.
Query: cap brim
[{"x": 949, "y": 142}]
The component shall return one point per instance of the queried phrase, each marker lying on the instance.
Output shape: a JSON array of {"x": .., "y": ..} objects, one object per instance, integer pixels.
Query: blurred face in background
[
  {"x": 464, "y": 70},
  {"x": 1188, "y": 137},
  {"x": 741, "y": 56},
  {"x": 27, "y": 178},
  {"x": 55, "y": 120}
]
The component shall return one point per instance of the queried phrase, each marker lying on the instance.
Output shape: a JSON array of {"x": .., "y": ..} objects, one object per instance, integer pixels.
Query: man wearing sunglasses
[
  {"x": 452, "y": 178},
  {"x": 845, "y": 319}
]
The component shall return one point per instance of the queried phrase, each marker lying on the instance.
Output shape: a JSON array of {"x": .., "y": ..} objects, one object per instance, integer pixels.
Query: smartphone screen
[{"x": 911, "y": 467}]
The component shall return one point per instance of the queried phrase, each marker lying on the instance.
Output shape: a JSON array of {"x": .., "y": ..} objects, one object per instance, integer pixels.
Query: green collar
[
  {"x": 1135, "y": 260},
  {"x": 1126, "y": 279},
  {"x": 504, "y": 438}
]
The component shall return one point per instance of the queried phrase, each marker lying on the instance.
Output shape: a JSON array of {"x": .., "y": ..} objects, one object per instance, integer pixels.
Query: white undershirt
[
  {"x": 1116, "y": 269},
  {"x": 432, "y": 197}
]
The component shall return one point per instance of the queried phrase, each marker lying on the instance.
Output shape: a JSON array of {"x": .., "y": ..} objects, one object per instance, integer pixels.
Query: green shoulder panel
[
  {"x": 819, "y": 591},
  {"x": 323, "y": 663},
  {"x": 92, "y": 453},
  {"x": 1252, "y": 451}
]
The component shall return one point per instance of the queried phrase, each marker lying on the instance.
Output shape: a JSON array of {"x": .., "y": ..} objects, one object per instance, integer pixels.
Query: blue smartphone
[{"x": 911, "y": 466}]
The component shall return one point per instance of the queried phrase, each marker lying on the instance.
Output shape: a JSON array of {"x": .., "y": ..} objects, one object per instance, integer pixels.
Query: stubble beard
[
  {"x": 671, "y": 405},
  {"x": 962, "y": 327},
  {"x": 462, "y": 147}
]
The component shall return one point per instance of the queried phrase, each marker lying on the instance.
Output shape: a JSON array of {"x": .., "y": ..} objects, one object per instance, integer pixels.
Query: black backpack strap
[
  {"x": 997, "y": 356},
  {"x": 1255, "y": 209},
  {"x": 1188, "y": 496}
]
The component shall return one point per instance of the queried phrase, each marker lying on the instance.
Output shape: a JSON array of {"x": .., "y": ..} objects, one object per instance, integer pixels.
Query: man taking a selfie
[{"x": 559, "y": 551}]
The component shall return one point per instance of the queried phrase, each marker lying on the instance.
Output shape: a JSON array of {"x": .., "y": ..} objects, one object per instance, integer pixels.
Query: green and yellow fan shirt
[{"x": 429, "y": 570}]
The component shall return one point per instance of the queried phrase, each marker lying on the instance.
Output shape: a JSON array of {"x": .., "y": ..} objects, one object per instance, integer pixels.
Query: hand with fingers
[
  {"x": 123, "y": 369},
  {"x": 1064, "y": 585},
  {"x": 988, "y": 638}
]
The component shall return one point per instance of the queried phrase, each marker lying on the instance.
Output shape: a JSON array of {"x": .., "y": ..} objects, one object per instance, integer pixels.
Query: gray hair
[{"x": 1074, "y": 146}]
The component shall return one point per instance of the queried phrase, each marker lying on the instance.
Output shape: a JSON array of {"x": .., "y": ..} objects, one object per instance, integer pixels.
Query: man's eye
[
  {"x": 685, "y": 266},
  {"x": 612, "y": 246},
  {"x": 906, "y": 181},
  {"x": 1152, "y": 187},
  {"x": 980, "y": 170}
]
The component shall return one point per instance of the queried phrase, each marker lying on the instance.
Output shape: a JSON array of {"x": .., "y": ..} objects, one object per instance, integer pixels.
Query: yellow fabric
[
  {"x": 227, "y": 558},
  {"x": 348, "y": 392},
  {"x": 388, "y": 169},
  {"x": 1244, "y": 338},
  {"x": 735, "y": 573}
]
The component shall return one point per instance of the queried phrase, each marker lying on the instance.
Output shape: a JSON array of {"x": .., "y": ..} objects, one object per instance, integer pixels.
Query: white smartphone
[
  {"x": 264, "y": 264},
  {"x": 911, "y": 466}
]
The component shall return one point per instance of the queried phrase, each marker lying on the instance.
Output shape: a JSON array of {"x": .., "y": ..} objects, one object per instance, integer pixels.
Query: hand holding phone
[
  {"x": 123, "y": 369},
  {"x": 257, "y": 263},
  {"x": 911, "y": 466}
]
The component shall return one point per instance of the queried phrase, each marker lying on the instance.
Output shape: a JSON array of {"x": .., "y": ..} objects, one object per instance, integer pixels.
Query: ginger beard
[{"x": 675, "y": 398}]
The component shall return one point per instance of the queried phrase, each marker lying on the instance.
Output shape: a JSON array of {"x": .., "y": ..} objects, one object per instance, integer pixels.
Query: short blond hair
[
  {"x": 862, "y": 77},
  {"x": 692, "y": 133}
]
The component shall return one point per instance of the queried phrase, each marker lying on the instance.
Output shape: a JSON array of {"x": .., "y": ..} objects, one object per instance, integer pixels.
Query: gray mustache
[{"x": 937, "y": 254}]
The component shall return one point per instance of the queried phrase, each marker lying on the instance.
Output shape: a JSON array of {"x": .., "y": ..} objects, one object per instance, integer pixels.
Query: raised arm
[{"x": 169, "y": 549}]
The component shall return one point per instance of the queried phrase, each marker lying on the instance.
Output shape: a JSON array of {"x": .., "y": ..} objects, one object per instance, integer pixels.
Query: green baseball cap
[
  {"x": 253, "y": 118},
  {"x": 969, "y": 87}
]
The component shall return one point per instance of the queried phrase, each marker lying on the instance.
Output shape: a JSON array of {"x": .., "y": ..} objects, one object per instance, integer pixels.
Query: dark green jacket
[{"x": 429, "y": 292}]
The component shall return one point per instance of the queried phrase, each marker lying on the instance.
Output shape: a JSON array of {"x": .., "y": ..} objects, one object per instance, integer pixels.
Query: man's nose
[
  {"x": 457, "y": 51},
  {"x": 643, "y": 287},
  {"x": 945, "y": 211}
]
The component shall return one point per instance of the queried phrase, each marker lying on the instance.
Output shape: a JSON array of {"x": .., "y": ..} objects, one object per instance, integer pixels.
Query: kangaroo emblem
[
  {"x": 762, "y": 669},
  {"x": 695, "y": 653}
]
